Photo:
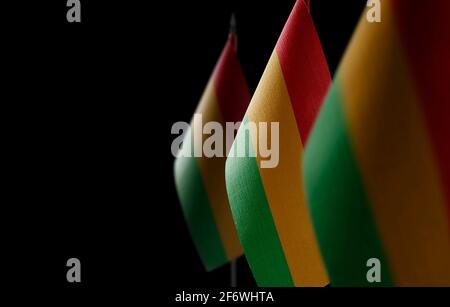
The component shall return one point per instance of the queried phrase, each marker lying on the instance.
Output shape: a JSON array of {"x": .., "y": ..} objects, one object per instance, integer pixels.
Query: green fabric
[
  {"x": 338, "y": 204},
  {"x": 253, "y": 219},
  {"x": 197, "y": 212}
]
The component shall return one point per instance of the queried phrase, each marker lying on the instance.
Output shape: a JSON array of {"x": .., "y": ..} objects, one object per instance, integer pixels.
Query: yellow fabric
[{"x": 283, "y": 185}]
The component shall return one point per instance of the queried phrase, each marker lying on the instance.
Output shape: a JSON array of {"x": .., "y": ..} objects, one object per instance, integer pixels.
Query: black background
[{"x": 92, "y": 107}]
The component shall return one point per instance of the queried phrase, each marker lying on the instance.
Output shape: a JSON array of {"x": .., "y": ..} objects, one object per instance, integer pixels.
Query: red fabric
[
  {"x": 424, "y": 28},
  {"x": 229, "y": 82},
  {"x": 304, "y": 67}
]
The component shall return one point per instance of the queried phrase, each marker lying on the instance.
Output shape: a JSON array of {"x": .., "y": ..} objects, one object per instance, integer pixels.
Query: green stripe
[
  {"x": 198, "y": 213},
  {"x": 253, "y": 219},
  {"x": 338, "y": 203}
]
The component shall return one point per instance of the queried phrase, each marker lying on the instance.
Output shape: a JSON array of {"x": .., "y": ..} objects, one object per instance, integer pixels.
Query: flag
[
  {"x": 377, "y": 164},
  {"x": 268, "y": 204},
  {"x": 200, "y": 181}
]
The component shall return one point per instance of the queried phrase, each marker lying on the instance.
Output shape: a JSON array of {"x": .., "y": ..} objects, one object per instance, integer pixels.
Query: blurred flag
[
  {"x": 200, "y": 181},
  {"x": 377, "y": 164},
  {"x": 268, "y": 204}
]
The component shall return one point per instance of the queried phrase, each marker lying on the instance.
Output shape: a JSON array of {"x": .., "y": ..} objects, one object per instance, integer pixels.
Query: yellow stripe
[
  {"x": 284, "y": 184},
  {"x": 213, "y": 173},
  {"x": 394, "y": 155}
]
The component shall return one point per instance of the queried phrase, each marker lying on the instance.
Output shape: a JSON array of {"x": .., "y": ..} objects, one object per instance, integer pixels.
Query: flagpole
[
  {"x": 233, "y": 265},
  {"x": 233, "y": 270}
]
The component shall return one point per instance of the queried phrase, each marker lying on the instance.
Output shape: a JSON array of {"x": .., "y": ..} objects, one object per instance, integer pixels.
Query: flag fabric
[
  {"x": 268, "y": 204},
  {"x": 200, "y": 181},
  {"x": 377, "y": 163}
]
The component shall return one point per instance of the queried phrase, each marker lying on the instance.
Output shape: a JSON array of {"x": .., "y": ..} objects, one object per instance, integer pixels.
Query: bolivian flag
[
  {"x": 377, "y": 164},
  {"x": 268, "y": 204},
  {"x": 200, "y": 181}
]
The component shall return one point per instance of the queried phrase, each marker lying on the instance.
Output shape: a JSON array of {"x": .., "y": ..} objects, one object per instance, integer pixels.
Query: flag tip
[{"x": 233, "y": 23}]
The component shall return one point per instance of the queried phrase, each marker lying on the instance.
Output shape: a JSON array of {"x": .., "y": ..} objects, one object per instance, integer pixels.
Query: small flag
[
  {"x": 268, "y": 204},
  {"x": 200, "y": 181},
  {"x": 377, "y": 164}
]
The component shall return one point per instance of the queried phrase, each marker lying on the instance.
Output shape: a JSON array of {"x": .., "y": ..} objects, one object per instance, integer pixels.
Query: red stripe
[
  {"x": 304, "y": 67},
  {"x": 425, "y": 34},
  {"x": 229, "y": 82}
]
